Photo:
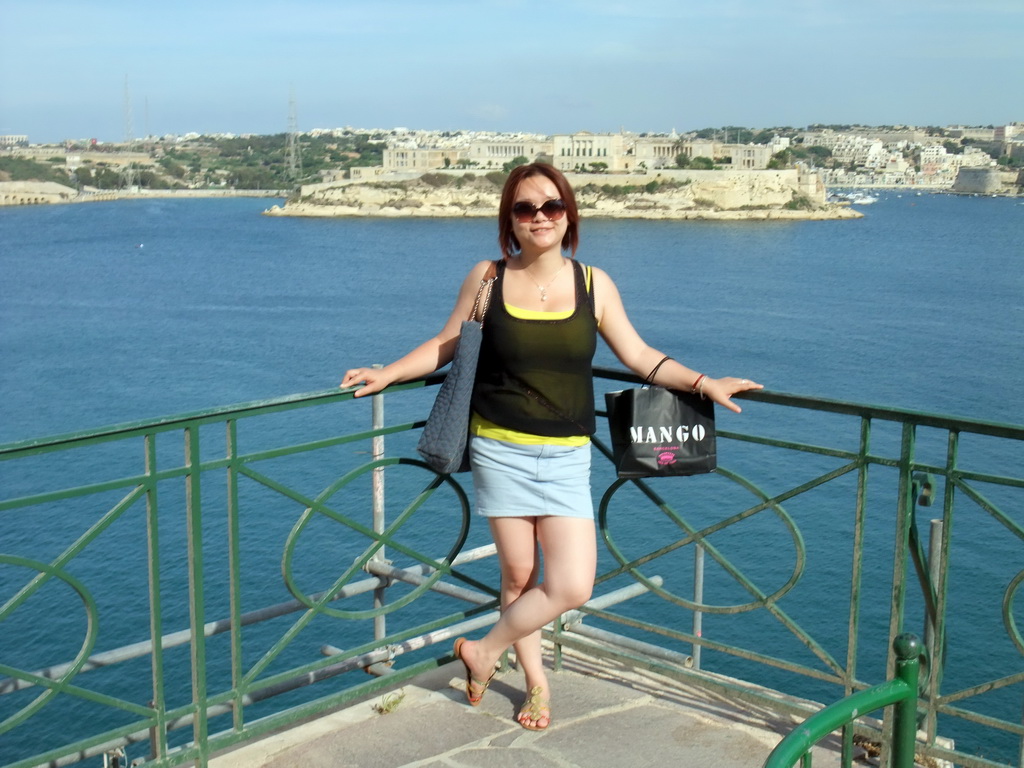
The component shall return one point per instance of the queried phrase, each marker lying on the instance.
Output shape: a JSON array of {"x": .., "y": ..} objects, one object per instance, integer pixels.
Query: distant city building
[
  {"x": 656, "y": 152},
  {"x": 495, "y": 152},
  {"x": 976, "y": 134},
  {"x": 365, "y": 173},
  {"x": 748, "y": 157},
  {"x": 702, "y": 148},
  {"x": 779, "y": 144},
  {"x": 576, "y": 152},
  {"x": 580, "y": 151},
  {"x": 413, "y": 158},
  {"x": 975, "y": 158},
  {"x": 1014, "y": 149},
  {"x": 1005, "y": 132},
  {"x": 14, "y": 140}
]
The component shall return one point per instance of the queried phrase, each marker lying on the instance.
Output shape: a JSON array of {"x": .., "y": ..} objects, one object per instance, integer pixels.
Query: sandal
[
  {"x": 535, "y": 709},
  {"x": 474, "y": 701}
]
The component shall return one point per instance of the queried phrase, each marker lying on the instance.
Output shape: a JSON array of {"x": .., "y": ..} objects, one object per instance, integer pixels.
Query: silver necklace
[{"x": 544, "y": 289}]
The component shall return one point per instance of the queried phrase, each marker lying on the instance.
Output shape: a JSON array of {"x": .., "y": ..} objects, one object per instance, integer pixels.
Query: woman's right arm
[{"x": 432, "y": 354}]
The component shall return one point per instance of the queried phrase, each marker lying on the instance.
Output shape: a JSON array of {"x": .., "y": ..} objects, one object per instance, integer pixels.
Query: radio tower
[
  {"x": 128, "y": 171},
  {"x": 294, "y": 149}
]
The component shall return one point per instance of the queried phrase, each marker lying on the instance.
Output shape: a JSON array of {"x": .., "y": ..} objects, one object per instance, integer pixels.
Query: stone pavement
[{"x": 604, "y": 716}]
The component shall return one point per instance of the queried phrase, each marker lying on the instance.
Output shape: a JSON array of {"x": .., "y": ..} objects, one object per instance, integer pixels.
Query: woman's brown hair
[{"x": 506, "y": 239}]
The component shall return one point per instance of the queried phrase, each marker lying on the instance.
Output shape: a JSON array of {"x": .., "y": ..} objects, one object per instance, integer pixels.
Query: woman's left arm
[{"x": 635, "y": 354}]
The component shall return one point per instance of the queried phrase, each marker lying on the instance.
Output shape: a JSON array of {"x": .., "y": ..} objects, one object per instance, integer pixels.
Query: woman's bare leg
[
  {"x": 519, "y": 557},
  {"x": 570, "y": 560}
]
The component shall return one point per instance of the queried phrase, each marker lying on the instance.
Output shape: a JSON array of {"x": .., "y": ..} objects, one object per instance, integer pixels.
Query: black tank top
[{"x": 536, "y": 376}]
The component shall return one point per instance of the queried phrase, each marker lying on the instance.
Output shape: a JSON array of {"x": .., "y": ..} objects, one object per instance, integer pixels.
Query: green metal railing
[
  {"x": 174, "y": 587},
  {"x": 899, "y": 693}
]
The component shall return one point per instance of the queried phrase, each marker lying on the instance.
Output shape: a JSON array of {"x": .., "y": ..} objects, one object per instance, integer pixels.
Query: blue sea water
[{"x": 128, "y": 310}]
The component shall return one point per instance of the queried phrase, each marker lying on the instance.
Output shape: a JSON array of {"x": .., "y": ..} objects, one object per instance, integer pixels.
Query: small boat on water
[{"x": 853, "y": 198}]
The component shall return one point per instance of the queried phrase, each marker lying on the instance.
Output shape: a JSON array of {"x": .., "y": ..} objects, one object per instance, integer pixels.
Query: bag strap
[
  {"x": 649, "y": 381},
  {"x": 487, "y": 282}
]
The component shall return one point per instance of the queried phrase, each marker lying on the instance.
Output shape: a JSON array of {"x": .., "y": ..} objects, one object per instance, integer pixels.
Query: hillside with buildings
[
  {"x": 845, "y": 155},
  {"x": 310, "y": 163}
]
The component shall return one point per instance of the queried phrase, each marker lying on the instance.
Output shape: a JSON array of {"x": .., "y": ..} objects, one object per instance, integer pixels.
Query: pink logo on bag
[{"x": 665, "y": 458}]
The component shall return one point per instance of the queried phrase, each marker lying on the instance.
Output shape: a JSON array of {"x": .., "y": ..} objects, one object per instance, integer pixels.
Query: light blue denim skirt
[{"x": 512, "y": 480}]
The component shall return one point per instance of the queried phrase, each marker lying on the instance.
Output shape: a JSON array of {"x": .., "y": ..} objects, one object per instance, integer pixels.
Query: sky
[{"x": 107, "y": 69}]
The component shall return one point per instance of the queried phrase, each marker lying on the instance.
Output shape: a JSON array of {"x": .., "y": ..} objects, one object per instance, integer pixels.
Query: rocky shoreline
[
  {"x": 711, "y": 196},
  {"x": 827, "y": 213},
  {"x": 717, "y": 196}
]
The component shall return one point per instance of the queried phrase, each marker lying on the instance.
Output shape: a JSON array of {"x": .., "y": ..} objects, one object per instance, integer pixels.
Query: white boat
[
  {"x": 862, "y": 198},
  {"x": 855, "y": 198}
]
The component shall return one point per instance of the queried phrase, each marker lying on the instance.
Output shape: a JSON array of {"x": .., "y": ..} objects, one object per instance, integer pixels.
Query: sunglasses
[{"x": 553, "y": 210}]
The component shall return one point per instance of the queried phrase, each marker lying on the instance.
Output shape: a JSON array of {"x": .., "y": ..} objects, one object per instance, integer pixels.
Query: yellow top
[{"x": 481, "y": 427}]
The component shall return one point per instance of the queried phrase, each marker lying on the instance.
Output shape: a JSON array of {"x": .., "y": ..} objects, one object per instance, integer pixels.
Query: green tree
[
  {"x": 107, "y": 178},
  {"x": 702, "y": 164},
  {"x": 682, "y": 161},
  {"x": 735, "y": 134},
  {"x": 22, "y": 169},
  {"x": 437, "y": 179},
  {"x": 151, "y": 180},
  {"x": 515, "y": 162},
  {"x": 252, "y": 178},
  {"x": 173, "y": 168},
  {"x": 821, "y": 154},
  {"x": 780, "y": 160},
  {"x": 599, "y": 167}
]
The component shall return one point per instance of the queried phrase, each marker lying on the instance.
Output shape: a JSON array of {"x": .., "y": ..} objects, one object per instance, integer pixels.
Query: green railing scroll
[{"x": 899, "y": 693}]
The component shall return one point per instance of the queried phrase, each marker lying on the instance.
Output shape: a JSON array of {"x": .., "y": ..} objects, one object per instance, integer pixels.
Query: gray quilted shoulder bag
[{"x": 444, "y": 444}]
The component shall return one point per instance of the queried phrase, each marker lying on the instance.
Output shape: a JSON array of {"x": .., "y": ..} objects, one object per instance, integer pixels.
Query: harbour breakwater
[{"x": 722, "y": 195}]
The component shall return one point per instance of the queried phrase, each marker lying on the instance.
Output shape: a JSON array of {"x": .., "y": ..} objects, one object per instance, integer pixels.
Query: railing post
[
  {"x": 698, "y": 597},
  {"x": 934, "y": 556},
  {"x": 196, "y": 589},
  {"x": 908, "y": 663},
  {"x": 377, "y": 422},
  {"x": 905, "y": 503}
]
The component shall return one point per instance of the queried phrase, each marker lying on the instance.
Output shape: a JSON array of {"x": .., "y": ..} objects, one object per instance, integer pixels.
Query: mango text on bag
[{"x": 681, "y": 434}]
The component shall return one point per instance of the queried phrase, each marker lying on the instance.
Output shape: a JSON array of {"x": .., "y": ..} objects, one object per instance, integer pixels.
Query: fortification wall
[
  {"x": 34, "y": 192},
  {"x": 987, "y": 181}
]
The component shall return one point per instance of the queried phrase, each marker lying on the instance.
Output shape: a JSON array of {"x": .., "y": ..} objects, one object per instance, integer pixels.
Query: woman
[{"x": 533, "y": 415}]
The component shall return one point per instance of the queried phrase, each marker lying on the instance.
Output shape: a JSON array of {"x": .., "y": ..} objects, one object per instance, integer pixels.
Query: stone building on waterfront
[
  {"x": 582, "y": 151},
  {"x": 495, "y": 152},
  {"x": 402, "y": 157}
]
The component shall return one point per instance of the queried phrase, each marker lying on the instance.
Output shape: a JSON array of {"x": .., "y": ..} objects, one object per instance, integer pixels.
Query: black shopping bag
[{"x": 658, "y": 432}]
